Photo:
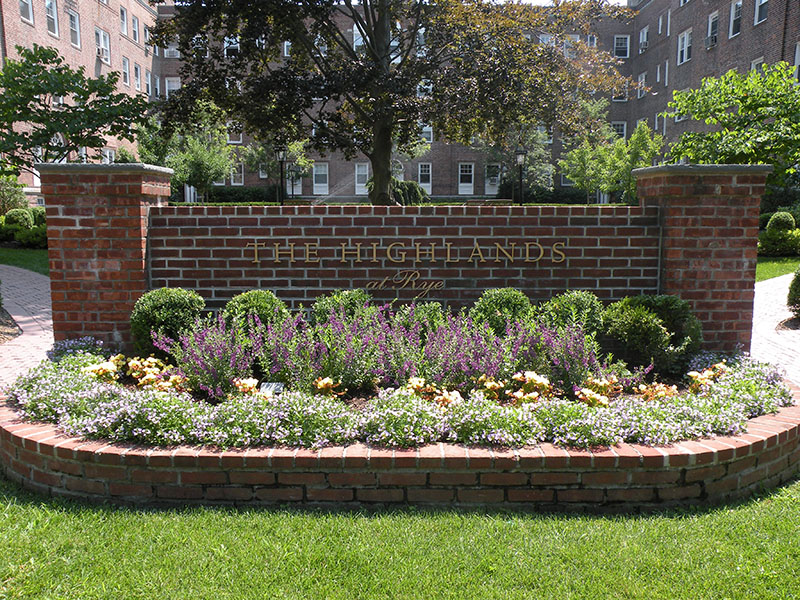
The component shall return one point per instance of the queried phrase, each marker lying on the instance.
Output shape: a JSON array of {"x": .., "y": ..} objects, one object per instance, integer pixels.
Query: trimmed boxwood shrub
[
  {"x": 774, "y": 242},
  {"x": 263, "y": 303},
  {"x": 166, "y": 310},
  {"x": 793, "y": 301},
  {"x": 36, "y": 237},
  {"x": 781, "y": 221},
  {"x": 575, "y": 307},
  {"x": 499, "y": 306},
  {"x": 19, "y": 217},
  {"x": 39, "y": 215},
  {"x": 763, "y": 219},
  {"x": 243, "y": 195},
  {"x": 429, "y": 315},
  {"x": 349, "y": 302}
]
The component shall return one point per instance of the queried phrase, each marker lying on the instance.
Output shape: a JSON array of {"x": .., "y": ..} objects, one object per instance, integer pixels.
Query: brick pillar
[
  {"x": 709, "y": 230},
  {"x": 97, "y": 218}
]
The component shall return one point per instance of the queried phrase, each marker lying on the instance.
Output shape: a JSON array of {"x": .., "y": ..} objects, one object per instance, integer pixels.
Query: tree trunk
[{"x": 381, "y": 159}]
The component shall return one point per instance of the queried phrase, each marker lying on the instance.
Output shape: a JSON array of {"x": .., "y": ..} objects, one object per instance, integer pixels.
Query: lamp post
[
  {"x": 520, "y": 154},
  {"x": 280, "y": 153}
]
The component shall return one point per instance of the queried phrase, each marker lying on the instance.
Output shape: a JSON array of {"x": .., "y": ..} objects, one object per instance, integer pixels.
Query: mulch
[{"x": 8, "y": 328}]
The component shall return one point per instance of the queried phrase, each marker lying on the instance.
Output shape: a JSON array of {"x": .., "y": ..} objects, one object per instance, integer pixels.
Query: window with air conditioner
[
  {"x": 491, "y": 179},
  {"x": 102, "y": 43},
  {"x": 171, "y": 51},
  {"x": 644, "y": 38},
  {"x": 712, "y": 31}
]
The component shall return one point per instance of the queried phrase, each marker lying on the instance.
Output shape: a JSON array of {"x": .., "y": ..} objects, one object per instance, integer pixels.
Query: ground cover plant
[{"x": 352, "y": 371}]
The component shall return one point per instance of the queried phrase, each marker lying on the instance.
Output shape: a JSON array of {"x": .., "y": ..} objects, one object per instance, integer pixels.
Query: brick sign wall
[{"x": 693, "y": 235}]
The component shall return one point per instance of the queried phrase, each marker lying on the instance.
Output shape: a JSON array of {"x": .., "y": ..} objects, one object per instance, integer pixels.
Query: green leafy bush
[
  {"x": 638, "y": 336},
  {"x": 781, "y": 221},
  {"x": 499, "y": 306},
  {"x": 39, "y": 215},
  {"x": 429, "y": 315},
  {"x": 408, "y": 193},
  {"x": 575, "y": 307},
  {"x": 243, "y": 194},
  {"x": 262, "y": 303},
  {"x": 19, "y": 217},
  {"x": 167, "y": 311},
  {"x": 793, "y": 301},
  {"x": 36, "y": 237},
  {"x": 350, "y": 302},
  {"x": 763, "y": 219},
  {"x": 779, "y": 243},
  {"x": 11, "y": 194}
]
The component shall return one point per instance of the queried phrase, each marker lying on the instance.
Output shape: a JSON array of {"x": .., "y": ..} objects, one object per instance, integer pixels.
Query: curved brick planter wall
[{"x": 622, "y": 478}]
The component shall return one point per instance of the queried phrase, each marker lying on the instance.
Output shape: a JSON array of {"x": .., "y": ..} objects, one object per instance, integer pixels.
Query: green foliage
[
  {"x": 35, "y": 237},
  {"x": 20, "y": 218},
  {"x": 539, "y": 195},
  {"x": 349, "y": 302},
  {"x": 91, "y": 112},
  {"x": 153, "y": 144},
  {"x": 497, "y": 307},
  {"x": 39, "y": 215},
  {"x": 793, "y": 300},
  {"x": 429, "y": 316},
  {"x": 537, "y": 168},
  {"x": 753, "y": 119},
  {"x": 575, "y": 307},
  {"x": 11, "y": 194},
  {"x": 262, "y": 156},
  {"x": 763, "y": 219},
  {"x": 262, "y": 303},
  {"x": 125, "y": 156},
  {"x": 779, "y": 243},
  {"x": 781, "y": 221},
  {"x": 243, "y": 194},
  {"x": 168, "y": 311},
  {"x": 408, "y": 193}
]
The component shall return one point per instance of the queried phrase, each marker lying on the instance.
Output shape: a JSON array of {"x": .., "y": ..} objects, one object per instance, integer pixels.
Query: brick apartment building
[{"x": 668, "y": 45}]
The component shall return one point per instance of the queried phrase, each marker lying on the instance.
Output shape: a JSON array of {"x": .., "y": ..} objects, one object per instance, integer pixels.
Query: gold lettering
[
  {"x": 502, "y": 250},
  {"x": 557, "y": 252},
  {"x": 356, "y": 253},
  {"x": 311, "y": 252},
  {"x": 476, "y": 251},
  {"x": 528, "y": 252},
  {"x": 401, "y": 255},
  {"x": 375, "y": 252},
  {"x": 431, "y": 253},
  {"x": 448, "y": 260},
  {"x": 404, "y": 278},
  {"x": 290, "y": 252},
  {"x": 256, "y": 246}
]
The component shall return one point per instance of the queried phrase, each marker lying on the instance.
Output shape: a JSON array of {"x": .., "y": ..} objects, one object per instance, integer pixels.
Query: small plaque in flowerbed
[{"x": 505, "y": 373}]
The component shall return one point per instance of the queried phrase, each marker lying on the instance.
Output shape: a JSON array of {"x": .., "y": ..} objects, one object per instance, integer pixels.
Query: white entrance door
[
  {"x": 491, "y": 179},
  {"x": 466, "y": 179}
]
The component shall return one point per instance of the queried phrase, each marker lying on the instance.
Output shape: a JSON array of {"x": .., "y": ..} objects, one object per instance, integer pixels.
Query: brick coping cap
[
  {"x": 701, "y": 169},
  {"x": 100, "y": 168}
]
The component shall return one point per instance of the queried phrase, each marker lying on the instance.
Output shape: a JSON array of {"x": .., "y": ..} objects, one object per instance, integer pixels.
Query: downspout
[
  {"x": 3, "y": 51},
  {"x": 785, "y": 31}
]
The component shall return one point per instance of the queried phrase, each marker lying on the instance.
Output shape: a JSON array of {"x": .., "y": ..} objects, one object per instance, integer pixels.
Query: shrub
[
  {"x": 638, "y": 335},
  {"x": 167, "y": 311},
  {"x": 39, "y": 215},
  {"x": 261, "y": 303},
  {"x": 125, "y": 156},
  {"x": 779, "y": 243},
  {"x": 763, "y": 219},
  {"x": 793, "y": 300},
  {"x": 423, "y": 318},
  {"x": 19, "y": 217},
  {"x": 35, "y": 237},
  {"x": 243, "y": 195},
  {"x": 350, "y": 302},
  {"x": 408, "y": 193},
  {"x": 11, "y": 194},
  {"x": 497, "y": 307},
  {"x": 575, "y": 307},
  {"x": 781, "y": 221}
]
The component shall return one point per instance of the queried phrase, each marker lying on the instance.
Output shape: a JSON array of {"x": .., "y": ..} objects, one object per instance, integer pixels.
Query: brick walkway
[{"x": 26, "y": 296}]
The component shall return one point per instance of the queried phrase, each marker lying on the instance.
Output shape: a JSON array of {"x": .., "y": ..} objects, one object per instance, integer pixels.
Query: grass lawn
[
  {"x": 33, "y": 260},
  {"x": 59, "y": 549},
  {"x": 769, "y": 267}
]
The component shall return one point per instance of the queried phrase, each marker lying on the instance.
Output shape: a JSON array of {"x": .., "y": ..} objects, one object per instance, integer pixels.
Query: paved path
[{"x": 26, "y": 296}]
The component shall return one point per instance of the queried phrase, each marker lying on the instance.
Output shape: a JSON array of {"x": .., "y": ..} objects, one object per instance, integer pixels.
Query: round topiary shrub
[
  {"x": 19, "y": 217},
  {"x": 498, "y": 307},
  {"x": 793, "y": 300},
  {"x": 781, "y": 221},
  {"x": 575, "y": 307},
  {"x": 167, "y": 311},
  {"x": 262, "y": 303},
  {"x": 429, "y": 315},
  {"x": 39, "y": 215},
  {"x": 348, "y": 302},
  {"x": 636, "y": 334}
]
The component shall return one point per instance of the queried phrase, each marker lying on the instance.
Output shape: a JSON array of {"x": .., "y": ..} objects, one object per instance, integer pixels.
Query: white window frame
[
  {"x": 234, "y": 137},
  {"x": 623, "y": 97},
  {"x": 126, "y": 71},
  {"x": 171, "y": 51},
  {"x": 219, "y": 182},
  {"x": 734, "y": 5},
  {"x": 491, "y": 183},
  {"x": 157, "y": 86},
  {"x": 135, "y": 28},
  {"x": 231, "y": 43},
  {"x": 137, "y": 77},
  {"x": 29, "y": 5},
  {"x": 684, "y": 2},
  {"x": 123, "y": 21},
  {"x": 627, "y": 39},
  {"x": 547, "y": 131},
  {"x": 797, "y": 61},
  {"x": 237, "y": 174},
  {"x": 426, "y": 133},
  {"x": 102, "y": 41},
  {"x": 148, "y": 82},
  {"x": 425, "y": 170},
  {"x": 566, "y": 181},
  {"x": 644, "y": 38},
  {"x": 641, "y": 84},
  {"x": 169, "y": 88},
  {"x": 615, "y": 125},
  {"x": 287, "y": 49},
  {"x": 759, "y": 5},
  {"x": 660, "y": 24},
  {"x": 262, "y": 171},
  {"x": 293, "y": 188},
  {"x": 466, "y": 189},
  {"x": 108, "y": 156},
  {"x": 591, "y": 40},
  {"x": 51, "y": 16},
  {"x": 666, "y": 73},
  {"x": 322, "y": 172},
  {"x": 74, "y": 32},
  {"x": 757, "y": 64},
  {"x": 658, "y": 73},
  {"x": 685, "y": 46},
  {"x": 360, "y": 178}
]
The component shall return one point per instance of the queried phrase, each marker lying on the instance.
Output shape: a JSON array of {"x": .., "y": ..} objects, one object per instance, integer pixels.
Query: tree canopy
[
  {"x": 362, "y": 76},
  {"x": 49, "y": 110}
]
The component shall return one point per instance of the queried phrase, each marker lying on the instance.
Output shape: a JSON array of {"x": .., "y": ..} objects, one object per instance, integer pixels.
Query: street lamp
[
  {"x": 520, "y": 153},
  {"x": 280, "y": 154}
]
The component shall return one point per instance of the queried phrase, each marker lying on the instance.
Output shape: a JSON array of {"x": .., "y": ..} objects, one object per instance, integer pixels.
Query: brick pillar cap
[
  {"x": 701, "y": 170},
  {"x": 126, "y": 168}
]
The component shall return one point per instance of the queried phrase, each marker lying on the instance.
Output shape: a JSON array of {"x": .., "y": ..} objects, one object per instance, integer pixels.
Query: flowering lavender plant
[{"x": 572, "y": 356}]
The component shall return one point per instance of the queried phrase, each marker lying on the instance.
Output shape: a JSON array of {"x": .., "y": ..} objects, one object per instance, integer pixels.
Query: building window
[
  {"x": 171, "y": 85},
  {"x": 287, "y": 48},
  {"x": 126, "y": 71},
  {"x": 234, "y": 134},
  {"x": 546, "y": 39},
  {"x": 320, "y": 177},
  {"x": 157, "y": 86},
  {"x": 466, "y": 179},
  {"x": 103, "y": 43},
  {"x": 262, "y": 171},
  {"x": 135, "y": 28},
  {"x": 623, "y": 97},
  {"x": 685, "y": 46},
  {"x": 26, "y": 11},
  {"x": 566, "y": 181},
  {"x": 51, "y": 11},
  {"x": 669, "y": 20},
  {"x": 620, "y": 128},
  {"x": 137, "y": 77},
  {"x": 231, "y": 45},
  {"x": 362, "y": 174},
  {"x": 237, "y": 174},
  {"x": 658, "y": 73},
  {"x": 713, "y": 30},
  {"x": 797, "y": 61},
  {"x": 644, "y": 38},
  {"x": 218, "y": 182},
  {"x": 660, "y": 24},
  {"x": 680, "y": 117},
  {"x": 426, "y": 133},
  {"x": 171, "y": 51},
  {"x": 736, "y": 18},
  {"x": 546, "y": 133},
  {"x": 74, "y": 28},
  {"x": 148, "y": 83},
  {"x": 683, "y": 2},
  {"x": 761, "y": 12},
  {"x": 123, "y": 20},
  {"x": 146, "y": 35},
  {"x": 641, "y": 85},
  {"x": 666, "y": 73},
  {"x": 107, "y": 156},
  {"x": 622, "y": 46},
  {"x": 591, "y": 41},
  {"x": 757, "y": 64},
  {"x": 424, "y": 176}
]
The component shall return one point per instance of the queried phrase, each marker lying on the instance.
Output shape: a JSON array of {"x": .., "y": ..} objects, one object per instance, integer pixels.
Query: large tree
[
  {"x": 361, "y": 76},
  {"x": 49, "y": 110}
]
